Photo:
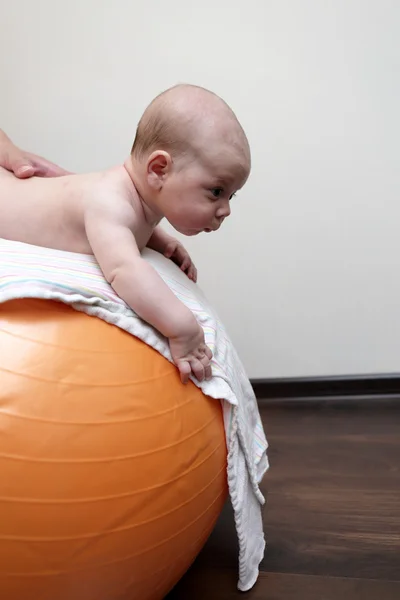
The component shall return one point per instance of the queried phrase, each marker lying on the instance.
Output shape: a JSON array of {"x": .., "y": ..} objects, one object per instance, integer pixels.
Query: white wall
[{"x": 306, "y": 273}]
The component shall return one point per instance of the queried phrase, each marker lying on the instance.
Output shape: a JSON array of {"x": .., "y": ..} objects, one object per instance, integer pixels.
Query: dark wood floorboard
[
  {"x": 210, "y": 583},
  {"x": 332, "y": 519}
]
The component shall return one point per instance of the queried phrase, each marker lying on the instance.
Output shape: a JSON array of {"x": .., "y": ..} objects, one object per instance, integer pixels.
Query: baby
[{"x": 189, "y": 157}]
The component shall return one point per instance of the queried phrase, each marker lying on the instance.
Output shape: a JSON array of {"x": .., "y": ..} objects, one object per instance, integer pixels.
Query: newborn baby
[{"x": 189, "y": 157}]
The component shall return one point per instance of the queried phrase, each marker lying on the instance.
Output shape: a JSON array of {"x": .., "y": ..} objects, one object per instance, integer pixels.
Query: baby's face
[{"x": 196, "y": 196}]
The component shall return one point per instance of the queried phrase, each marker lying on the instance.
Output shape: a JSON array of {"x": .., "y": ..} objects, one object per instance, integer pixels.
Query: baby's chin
[{"x": 189, "y": 232}]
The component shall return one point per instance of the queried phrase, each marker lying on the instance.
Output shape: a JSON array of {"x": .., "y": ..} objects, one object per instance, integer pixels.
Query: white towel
[{"x": 76, "y": 279}]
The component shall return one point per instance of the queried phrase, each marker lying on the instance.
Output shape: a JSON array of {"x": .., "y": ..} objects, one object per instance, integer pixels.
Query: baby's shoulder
[{"x": 109, "y": 196}]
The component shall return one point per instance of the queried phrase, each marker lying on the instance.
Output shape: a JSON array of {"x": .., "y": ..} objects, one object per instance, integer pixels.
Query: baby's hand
[
  {"x": 191, "y": 355},
  {"x": 178, "y": 253}
]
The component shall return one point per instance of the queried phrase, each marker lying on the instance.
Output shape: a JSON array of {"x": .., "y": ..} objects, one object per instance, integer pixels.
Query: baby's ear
[{"x": 158, "y": 167}]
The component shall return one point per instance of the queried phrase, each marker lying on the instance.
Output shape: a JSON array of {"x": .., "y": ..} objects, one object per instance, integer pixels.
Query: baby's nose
[{"x": 223, "y": 211}]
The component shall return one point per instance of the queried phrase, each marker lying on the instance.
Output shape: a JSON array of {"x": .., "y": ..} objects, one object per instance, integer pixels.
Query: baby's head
[{"x": 189, "y": 157}]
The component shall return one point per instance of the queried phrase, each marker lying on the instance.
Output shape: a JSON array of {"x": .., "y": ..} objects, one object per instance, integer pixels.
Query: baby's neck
[{"x": 152, "y": 214}]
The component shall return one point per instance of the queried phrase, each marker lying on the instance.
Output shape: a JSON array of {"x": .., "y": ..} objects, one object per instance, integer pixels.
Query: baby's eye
[
  {"x": 217, "y": 192},
  {"x": 232, "y": 196}
]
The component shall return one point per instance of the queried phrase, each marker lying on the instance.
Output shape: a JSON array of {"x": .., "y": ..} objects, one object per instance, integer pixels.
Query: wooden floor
[{"x": 332, "y": 519}]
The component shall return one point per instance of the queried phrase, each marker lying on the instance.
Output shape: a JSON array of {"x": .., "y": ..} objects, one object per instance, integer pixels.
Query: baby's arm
[
  {"x": 172, "y": 248},
  {"x": 159, "y": 240},
  {"x": 140, "y": 286}
]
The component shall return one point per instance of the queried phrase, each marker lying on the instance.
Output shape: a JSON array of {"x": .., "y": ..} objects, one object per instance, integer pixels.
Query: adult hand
[{"x": 24, "y": 164}]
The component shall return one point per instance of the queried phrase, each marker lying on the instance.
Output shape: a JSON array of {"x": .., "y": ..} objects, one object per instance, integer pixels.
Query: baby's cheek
[{"x": 190, "y": 218}]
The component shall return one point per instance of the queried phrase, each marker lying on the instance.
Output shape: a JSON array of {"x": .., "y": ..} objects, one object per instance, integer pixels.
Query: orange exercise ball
[{"x": 112, "y": 473}]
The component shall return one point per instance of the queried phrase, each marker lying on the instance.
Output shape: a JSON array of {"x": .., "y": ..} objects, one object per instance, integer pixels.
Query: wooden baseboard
[{"x": 387, "y": 385}]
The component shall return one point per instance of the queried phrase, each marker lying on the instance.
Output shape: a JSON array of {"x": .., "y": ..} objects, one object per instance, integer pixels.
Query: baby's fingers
[
  {"x": 197, "y": 369},
  {"x": 184, "y": 370},
  {"x": 170, "y": 249},
  {"x": 205, "y": 360},
  {"x": 185, "y": 264},
  {"x": 208, "y": 372},
  {"x": 192, "y": 273},
  {"x": 208, "y": 352}
]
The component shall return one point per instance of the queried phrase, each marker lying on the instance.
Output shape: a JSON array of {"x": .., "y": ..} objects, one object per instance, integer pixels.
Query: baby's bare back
[{"x": 51, "y": 211}]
